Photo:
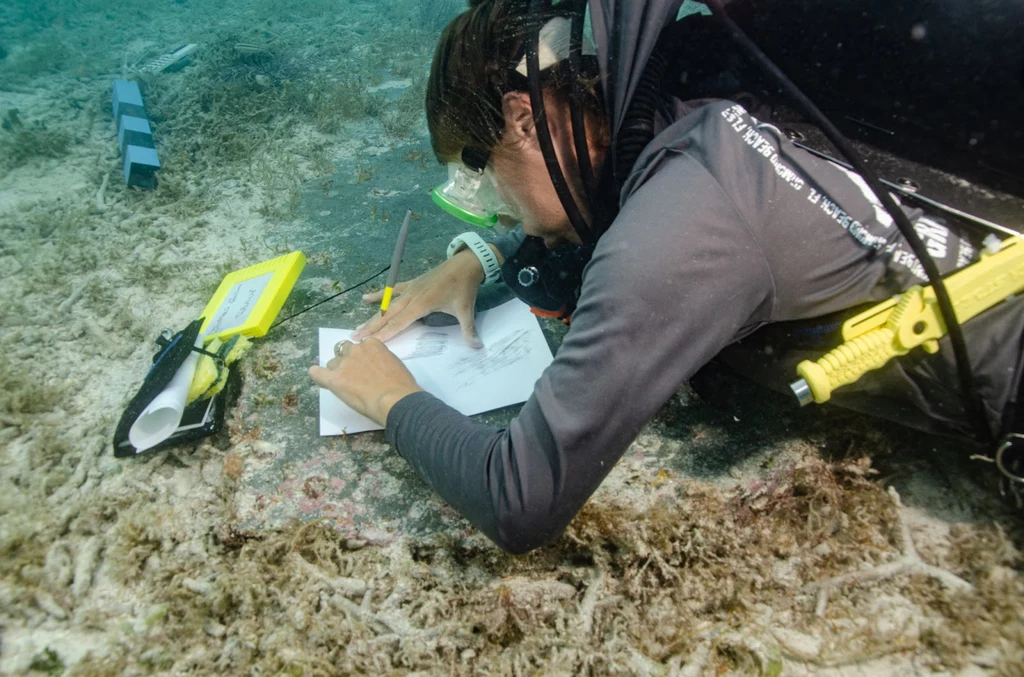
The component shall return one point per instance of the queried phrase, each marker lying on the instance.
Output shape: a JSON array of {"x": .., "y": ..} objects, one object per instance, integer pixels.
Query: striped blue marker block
[
  {"x": 134, "y": 135},
  {"x": 140, "y": 165},
  {"x": 134, "y": 131},
  {"x": 127, "y": 100}
]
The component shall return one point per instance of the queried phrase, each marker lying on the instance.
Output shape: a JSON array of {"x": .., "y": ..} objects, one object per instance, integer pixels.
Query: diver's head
[{"x": 482, "y": 123}]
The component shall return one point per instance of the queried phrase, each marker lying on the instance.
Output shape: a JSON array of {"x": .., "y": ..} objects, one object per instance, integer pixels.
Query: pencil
[{"x": 396, "y": 259}]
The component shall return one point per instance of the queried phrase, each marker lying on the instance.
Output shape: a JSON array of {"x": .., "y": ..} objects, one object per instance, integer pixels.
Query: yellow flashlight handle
[
  {"x": 894, "y": 328},
  {"x": 847, "y": 363}
]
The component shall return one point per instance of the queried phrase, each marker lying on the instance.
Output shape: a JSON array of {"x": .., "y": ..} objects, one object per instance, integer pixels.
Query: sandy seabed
[{"x": 809, "y": 566}]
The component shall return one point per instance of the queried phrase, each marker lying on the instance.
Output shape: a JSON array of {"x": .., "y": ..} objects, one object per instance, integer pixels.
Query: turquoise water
[{"x": 320, "y": 63}]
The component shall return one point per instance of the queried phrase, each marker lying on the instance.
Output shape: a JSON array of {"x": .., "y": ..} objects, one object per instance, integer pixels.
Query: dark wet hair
[{"x": 474, "y": 67}]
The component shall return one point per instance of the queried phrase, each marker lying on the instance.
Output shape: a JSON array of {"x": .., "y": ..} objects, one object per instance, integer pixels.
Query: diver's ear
[{"x": 518, "y": 114}]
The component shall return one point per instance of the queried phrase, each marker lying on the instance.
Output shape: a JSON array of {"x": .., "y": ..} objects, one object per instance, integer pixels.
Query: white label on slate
[{"x": 238, "y": 304}]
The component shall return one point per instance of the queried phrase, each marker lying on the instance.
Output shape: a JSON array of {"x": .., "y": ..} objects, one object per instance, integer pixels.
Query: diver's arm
[{"x": 659, "y": 300}]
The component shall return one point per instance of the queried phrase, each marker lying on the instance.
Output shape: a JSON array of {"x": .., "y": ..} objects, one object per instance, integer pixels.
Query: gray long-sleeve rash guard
[{"x": 724, "y": 226}]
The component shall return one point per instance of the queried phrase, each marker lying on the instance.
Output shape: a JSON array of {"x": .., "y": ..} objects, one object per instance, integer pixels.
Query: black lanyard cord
[{"x": 343, "y": 291}]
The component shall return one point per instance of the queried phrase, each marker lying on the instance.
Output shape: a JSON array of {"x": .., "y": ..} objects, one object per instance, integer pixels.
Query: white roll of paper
[{"x": 161, "y": 418}]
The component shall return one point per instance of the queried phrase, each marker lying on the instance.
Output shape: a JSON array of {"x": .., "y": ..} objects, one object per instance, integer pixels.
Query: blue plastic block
[
  {"x": 127, "y": 100},
  {"x": 140, "y": 165},
  {"x": 133, "y": 131}
]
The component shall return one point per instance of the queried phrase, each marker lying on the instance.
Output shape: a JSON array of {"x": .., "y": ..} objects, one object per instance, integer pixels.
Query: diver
[{"x": 667, "y": 232}]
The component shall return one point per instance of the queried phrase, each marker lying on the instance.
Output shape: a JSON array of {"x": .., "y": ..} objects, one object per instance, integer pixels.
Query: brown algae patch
[{"x": 703, "y": 577}]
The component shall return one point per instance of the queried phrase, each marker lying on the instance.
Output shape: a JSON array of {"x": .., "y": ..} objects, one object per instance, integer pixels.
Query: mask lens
[{"x": 469, "y": 195}]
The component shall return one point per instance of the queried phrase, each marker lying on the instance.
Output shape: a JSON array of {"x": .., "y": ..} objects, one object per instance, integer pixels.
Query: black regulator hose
[
  {"x": 972, "y": 401},
  {"x": 576, "y": 108},
  {"x": 637, "y": 128}
]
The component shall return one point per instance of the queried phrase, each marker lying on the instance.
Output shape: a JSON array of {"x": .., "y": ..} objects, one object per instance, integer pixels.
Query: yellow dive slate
[{"x": 248, "y": 300}]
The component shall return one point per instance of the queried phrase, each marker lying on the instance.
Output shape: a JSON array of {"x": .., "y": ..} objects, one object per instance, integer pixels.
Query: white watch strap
[{"x": 483, "y": 251}]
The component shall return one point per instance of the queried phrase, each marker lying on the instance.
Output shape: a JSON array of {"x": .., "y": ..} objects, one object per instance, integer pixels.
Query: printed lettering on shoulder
[
  {"x": 881, "y": 215},
  {"x": 850, "y": 224},
  {"x": 861, "y": 232},
  {"x": 747, "y": 127},
  {"x": 734, "y": 114},
  {"x": 907, "y": 259},
  {"x": 762, "y": 139},
  {"x": 965, "y": 253}
]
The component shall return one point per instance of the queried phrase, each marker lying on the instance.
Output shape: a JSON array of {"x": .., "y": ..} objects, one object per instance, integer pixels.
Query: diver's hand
[
  {"x": 450, "y": 288},
  {"x": 367, "y": 377}
]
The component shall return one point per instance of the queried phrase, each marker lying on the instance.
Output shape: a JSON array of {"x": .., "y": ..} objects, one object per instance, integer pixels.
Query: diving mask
[{"x": 471, "y": 195}]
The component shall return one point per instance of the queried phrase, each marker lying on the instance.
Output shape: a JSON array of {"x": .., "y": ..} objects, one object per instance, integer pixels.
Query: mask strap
[
  {"x": 579, "y": 129},
  {"x": 572, "y": 210}
]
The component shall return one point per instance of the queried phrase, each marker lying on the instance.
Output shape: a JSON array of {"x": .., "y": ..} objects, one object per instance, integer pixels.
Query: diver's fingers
[
  {"x": 373, "y": 296},
  {"x": 393, "y": 323},
  {"x": 376, "y": 296},
  {"x": 377, "y": 322},
  {"x": 369, "y": 328},
  {"x": 464, "y": 314}
]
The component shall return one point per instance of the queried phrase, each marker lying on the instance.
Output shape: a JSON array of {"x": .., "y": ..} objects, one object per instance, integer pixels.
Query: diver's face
[
  {"x": 524, "y": 184},
  {"x": 522, "y": 177}
]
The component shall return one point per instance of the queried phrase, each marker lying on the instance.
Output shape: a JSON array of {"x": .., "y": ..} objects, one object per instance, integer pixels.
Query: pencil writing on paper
[
  {"x": 502, "y": 353},
  {"x": 429, "y": 344}
]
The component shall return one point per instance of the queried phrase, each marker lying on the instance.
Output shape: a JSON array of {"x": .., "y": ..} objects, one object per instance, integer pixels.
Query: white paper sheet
[
  {"x": 160, "y": 419},
  {"x": 471, "y": 380}
]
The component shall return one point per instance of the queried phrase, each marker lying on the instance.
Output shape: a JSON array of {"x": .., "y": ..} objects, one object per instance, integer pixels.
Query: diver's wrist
[
  {"x": 466, "y": 259},
  {"x": 488, "y": 256},
  {"x": 497, "y": 254}
]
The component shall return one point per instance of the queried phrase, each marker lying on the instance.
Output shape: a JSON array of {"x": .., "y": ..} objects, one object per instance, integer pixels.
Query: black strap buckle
[{"x": 165, "y": 339}]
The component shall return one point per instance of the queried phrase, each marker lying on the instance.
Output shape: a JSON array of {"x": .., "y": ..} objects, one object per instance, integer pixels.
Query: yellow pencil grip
[{"x": 386, "y": 301}]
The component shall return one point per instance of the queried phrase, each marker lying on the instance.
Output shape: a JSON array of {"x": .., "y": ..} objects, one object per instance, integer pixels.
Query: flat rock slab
[{"x": 347, "y": 226}]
